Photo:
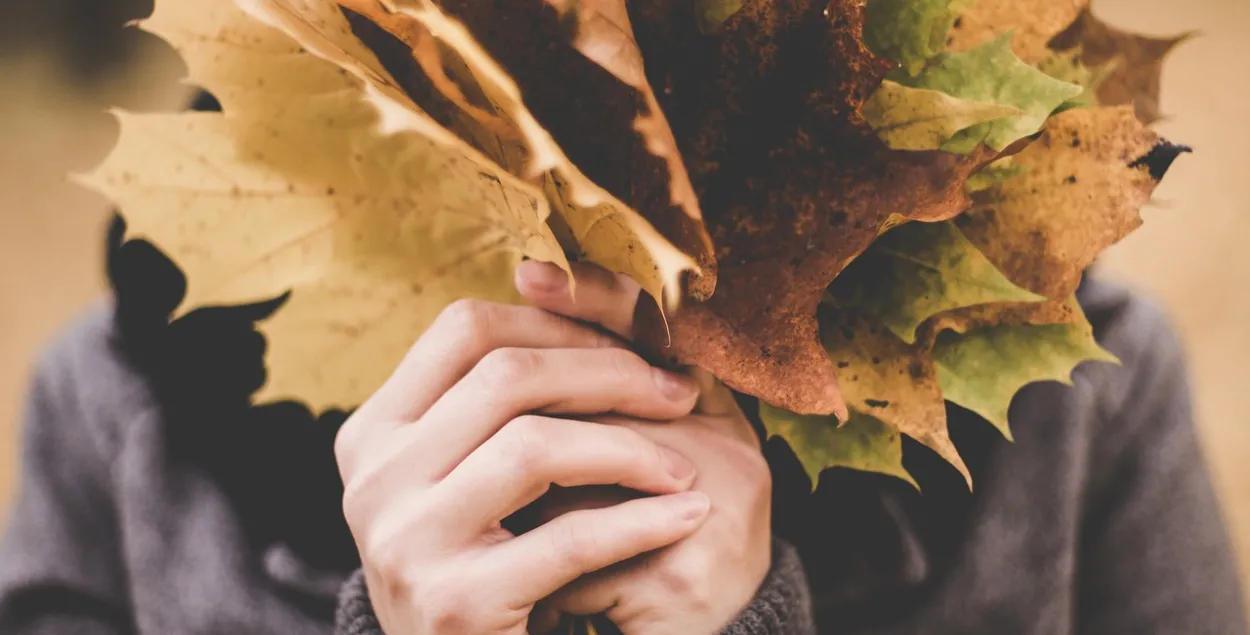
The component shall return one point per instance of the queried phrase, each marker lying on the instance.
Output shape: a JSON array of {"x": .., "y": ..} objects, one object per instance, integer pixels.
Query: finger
[
  {"x": 535, "y": 565},
  {"x": 513, "y": 381},
  {"x": 530, "y": 454},
  {"x": 464, "y": 333},
  {"x": 592, "y": 594},
  {"x": 604, "y": 298},
  {"x": 461, "y": 336}
]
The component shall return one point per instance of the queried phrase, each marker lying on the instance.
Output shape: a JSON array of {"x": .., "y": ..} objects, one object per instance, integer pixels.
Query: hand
[
  {"x": 457, "y": 440},
  {"x": 701, "y": 583}
]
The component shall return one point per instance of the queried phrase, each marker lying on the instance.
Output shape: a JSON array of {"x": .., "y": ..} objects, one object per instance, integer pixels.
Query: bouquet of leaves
[{"x": 853, "y": 212}]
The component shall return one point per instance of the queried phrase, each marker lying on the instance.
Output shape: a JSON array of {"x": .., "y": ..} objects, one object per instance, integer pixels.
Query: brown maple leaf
[{"x": 793, "y": 183}]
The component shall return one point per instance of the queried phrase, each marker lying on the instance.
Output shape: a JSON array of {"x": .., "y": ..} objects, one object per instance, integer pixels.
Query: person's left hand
[{"x": 697, "y": 585}]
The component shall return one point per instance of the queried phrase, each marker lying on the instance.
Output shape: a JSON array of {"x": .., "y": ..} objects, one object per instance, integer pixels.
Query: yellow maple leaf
[
  {"x": 1080, "y": 190},
  {"x": 297, "y": 187},
  {"x": 892, "y": 381},
  {"x": 606, "y": 231}
]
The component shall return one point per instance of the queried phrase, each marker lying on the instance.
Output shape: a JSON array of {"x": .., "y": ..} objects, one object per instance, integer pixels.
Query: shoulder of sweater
[{"x": 87, "y": 382}]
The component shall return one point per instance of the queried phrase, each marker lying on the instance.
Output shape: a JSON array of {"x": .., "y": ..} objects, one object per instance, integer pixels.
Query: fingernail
[
  {"x": 678, "y": 466},
  {"x": 543, "y": 277},
  {"x": 675, "y": 387},
  {"x": 690, "y": 505}
]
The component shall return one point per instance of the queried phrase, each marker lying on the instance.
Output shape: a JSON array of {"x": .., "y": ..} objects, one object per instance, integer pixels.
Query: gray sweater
[{"x": 1100, "y": 518}]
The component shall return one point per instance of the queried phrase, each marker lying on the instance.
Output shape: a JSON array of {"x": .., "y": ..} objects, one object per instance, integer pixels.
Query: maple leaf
[
  {"x": 607, "y": 231},
  {"x": 604, "y": 35},
  {"x": 970, "y": 318},
  {"x": 883, "y": 376},
  {"x": 910, "y": 32},
  {"x": 1068, "y": 66},
  {"x": 983, "y": 369},
  {"x": 794, "y": 184},
  {"x": 1137, "y": 59},
  {"x": 1031, "y": 24},
  {"x": 294, "y": 188},
  {"x": 1080, "y": 191},
  {"x": 917, "y": 119},
  {"x": 862, "y": 443},
  {"x": 992, "y": 73},
  {"x": 919, "y": 270}
]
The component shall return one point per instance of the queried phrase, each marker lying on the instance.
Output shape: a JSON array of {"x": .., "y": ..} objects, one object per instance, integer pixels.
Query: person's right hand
[{"x": 458, "y": 439}]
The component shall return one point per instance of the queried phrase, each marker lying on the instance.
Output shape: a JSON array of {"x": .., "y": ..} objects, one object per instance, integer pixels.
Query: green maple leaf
[
  {"x": 1067, "y": 66},
  {"x": 711, "y": 14},
  {"x": 982, "y": 370},
  {"x": 910, "y": 32},
  {"x": 992, "y": 73},
  {"x": 918, "y": 270},
  {"x": 863, "y": 443},
  {"x": 907, "y": 118}
]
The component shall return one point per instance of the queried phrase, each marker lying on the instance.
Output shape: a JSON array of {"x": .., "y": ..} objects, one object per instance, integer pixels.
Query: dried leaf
[
  {"x": 919, "y": 270},
  {"x": 605, "y": 36},
  {"x": 608, "y": 231},
  {"x": 910, "y": 32},
  {"x": 1067, "y": 66},
  {"x": 1083, "y": 183},
  {"x": 882, "y": 376},
  {"x": 984, "y": 369},
  {"x": 862, "y": 443},
  {"x": 295, "y": 188},
  {"x": 992, "y": 73},
  {"x": 1138, "y": 61},
  {"x": 980, "y": 316},
  {"x": 917, "y": 119},
  {"x": 794, "y": 185},
  {"x": 1032, "y": 24}
]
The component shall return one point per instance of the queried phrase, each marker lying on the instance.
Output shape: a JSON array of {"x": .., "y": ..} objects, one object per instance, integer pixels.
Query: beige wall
[{"x": 1192, "y": 254}]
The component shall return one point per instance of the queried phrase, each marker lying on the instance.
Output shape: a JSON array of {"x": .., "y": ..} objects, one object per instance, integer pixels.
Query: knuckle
[
  {"x": 688, "y": 577},
  {"x": 386, "y": 557},
  {"x": 640, "y": 450},
  {"x": 345, "y": 442},
  {"x": 506, "y": 366},
  {"x": 445, "y": 607},
  {"x": 527, "y": 443},
  {"x": 358, "y": 503},
  {"x": 575, "y": 541},
  {"x": 627, "y": 365},
  {"x": 471, "y": 321}
]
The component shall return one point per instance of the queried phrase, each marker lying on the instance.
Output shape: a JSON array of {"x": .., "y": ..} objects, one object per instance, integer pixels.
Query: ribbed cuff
[
  {"x": 783, "y": 605},
  {"x": 355, "y": 614}
]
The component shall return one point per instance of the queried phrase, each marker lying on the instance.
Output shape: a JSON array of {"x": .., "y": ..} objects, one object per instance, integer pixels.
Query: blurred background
[{"x": 63, "y": 63}]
